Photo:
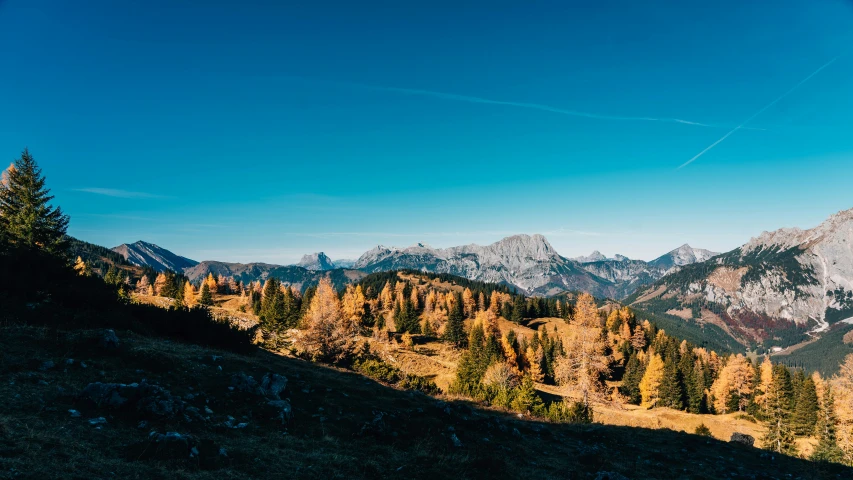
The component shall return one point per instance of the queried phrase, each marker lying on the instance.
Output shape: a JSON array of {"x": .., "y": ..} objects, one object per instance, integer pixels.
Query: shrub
[
  {"x": 565, "y": 412},
  {"x": 703, "y": 430},
  {"x": 421, "y": 384},
  {"x": 379, "y": 370}
]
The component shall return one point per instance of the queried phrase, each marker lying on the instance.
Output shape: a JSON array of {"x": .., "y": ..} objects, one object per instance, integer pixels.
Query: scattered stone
[
  {"x": 177, "y": 446},
  {"x": 74, "y": 413},
  {"x": 456, "y": 442},
  {"x": 207, "y": 410},
  {"x": 271, "y": 385},
  {"x": 516, "y": 433},
  {"x": 98, "y": 421},
  {"x": 69, "y": 361},
  {"x": 147, "y": 399},
  {"x": 83, "y": 365},
  {"x": 610, "y": 476},
  {"x": 47, "y": 365},
  {"x": 142, "y": 425},
  {"x": 282, "y": 410},
  {"x": 109, "y": 340},
  {"x": 742, "y": 439}
]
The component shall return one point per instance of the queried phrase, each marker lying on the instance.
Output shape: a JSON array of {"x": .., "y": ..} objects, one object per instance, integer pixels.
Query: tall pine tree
[
  {"x": 827, "y": 449},
  {"x": 27, "y": 219},
  {"x": 780, "y": 434}
]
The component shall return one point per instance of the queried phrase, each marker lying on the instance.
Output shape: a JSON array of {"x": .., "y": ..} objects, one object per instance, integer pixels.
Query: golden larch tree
[
  {"x": 159, "y": 283},
  {"x": 328, "y": 334},
  {"x": 842, "y": 387},
  {"x": 534, "y": 360},
  {"x": 189, "y": 295},
  {"x": 650, "y": 384},
  {"x": 585, "y": 364},
  {"x": 735, "y": 378},
  {"x": 468, "y": 304}
]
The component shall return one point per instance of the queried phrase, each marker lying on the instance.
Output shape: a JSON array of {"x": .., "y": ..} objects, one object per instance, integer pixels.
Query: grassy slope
[{"x": 39, "y": 439}]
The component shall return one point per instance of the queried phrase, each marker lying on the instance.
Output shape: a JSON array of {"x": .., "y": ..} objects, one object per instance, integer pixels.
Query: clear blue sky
[{"x": 264, "y": 130}]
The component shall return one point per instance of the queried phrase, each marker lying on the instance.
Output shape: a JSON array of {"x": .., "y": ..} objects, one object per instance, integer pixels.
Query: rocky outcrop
[{"x": 742, "y": 439}]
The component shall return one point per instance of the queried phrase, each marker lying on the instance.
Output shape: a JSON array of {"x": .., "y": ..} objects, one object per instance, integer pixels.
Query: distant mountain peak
[
  {"x": 683, "y": 255},
  {"x": 316, "y": 261},
  {"x": 595, "y": 256},
  {"x": 143, "y": 253}
]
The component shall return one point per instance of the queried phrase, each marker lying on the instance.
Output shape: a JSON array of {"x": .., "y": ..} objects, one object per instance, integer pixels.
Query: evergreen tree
[
  {"x": 806, "y": 410},
  {"x": 27, "y": 219},
  {"x": 517, "y": 315},
  {"x": 206, "y": 298},
  {"x": 634, "y": 371},
  {"x": 671, "y": 388},
  {"x": 827, "y": 449},
  {"x": 526, "y": 399},
  {"x": 454, "y": 331},
  {"x": 780, "y": 435},
  {"x": 272, "y": 306}
]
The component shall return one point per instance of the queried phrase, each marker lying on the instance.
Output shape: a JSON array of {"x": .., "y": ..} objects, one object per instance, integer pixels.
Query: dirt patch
[
  {"x": 684, "y": 313},
  {"x": 727, "y": 278},
  {"x": 848, "y": 337},
  {"x": 650, "y": 295}
]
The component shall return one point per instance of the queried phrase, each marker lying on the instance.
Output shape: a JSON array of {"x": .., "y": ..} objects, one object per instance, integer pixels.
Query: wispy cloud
[
  {"x": 528, "y": 105},
  {"x": 743, "y": 125},
  {"x": 117, "y": 193}
]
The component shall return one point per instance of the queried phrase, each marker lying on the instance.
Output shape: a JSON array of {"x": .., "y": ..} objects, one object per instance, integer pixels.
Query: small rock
[
  {"x": 207, "y": 410},
  {"x": 516, "y": 433},
  {"x": 742, "y": 439},
  {"x": 83, "y": 365},
  {"x": 74, "y": 413},
  {"x": 98, "y": 421},
  {"x": 282, "y": 409},
  {"x": 47, "y": 365},
  {"x": 456, "y": 442},
  {"x": 69, "y": 361},
  {"x": 109, "y": 340}
]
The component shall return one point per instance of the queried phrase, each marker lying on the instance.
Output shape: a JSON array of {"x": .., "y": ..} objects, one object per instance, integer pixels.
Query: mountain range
[
  {"x": 526, "y": 262},
  {"x": 779, "y": 289}
]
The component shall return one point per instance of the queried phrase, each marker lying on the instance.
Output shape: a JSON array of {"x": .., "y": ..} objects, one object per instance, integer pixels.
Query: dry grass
[{"x": 39, "y": 439}]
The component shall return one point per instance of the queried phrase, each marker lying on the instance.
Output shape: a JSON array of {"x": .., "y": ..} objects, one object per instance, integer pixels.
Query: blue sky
[{"x": 259, "y": 131}]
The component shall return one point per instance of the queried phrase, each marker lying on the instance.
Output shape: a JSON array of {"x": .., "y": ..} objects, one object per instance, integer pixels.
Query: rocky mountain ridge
[
  {"x": 148, "y": 254},
  {"x": 774, "y": 290},
  {"x": 316, "y": 261}
]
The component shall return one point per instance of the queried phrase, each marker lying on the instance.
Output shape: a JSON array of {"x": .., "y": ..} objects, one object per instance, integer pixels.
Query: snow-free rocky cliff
[
  {"x": 781, "y": 278},
  {"x": 316, "y": 261}
]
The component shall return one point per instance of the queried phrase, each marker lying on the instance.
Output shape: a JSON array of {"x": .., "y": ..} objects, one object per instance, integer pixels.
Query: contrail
[
  {"x": 488, "y": 101},
  {"x": 742, "y": 125},
  {"x": 534, "y": 106}
]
